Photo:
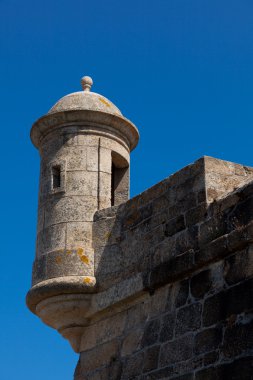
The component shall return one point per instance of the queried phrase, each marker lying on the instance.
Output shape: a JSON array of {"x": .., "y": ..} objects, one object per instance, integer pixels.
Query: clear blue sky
[{"x": 181, "y": 70}]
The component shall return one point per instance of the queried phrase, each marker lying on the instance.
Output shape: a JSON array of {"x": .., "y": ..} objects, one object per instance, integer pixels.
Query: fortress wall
[{"x": 174, "y": 270}]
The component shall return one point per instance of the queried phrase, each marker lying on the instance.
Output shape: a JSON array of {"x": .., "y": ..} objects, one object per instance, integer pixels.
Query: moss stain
[
  {"x": 84, "y": 259},
  {"x": 105, "y": 102},
  {"x": 87, "y": 280}
]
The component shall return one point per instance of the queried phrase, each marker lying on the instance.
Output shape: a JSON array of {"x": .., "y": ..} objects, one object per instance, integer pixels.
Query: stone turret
[
  {"x": 84, "y": 143},
  {"x": 160, "y": 286}
]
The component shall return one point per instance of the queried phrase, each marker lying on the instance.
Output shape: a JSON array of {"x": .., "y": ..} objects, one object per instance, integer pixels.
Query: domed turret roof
[{"x": 85, "y": 100}]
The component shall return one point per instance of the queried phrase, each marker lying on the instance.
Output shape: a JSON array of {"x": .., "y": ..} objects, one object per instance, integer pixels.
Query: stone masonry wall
[{"x": 188, "y": 254}]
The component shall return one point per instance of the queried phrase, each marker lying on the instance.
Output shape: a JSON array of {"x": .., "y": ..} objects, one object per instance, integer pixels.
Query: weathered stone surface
[
  {"x": 239, "y": 266},
  {"x": 98, "y": 357},
  {"x": 80, "y": 182},
  {"x": 201, "y": 284},
  {"x": 73, "y": 209},
  {"x": 208, "y": 340},
  {"x": 177, "y": 350},
  {"x": 238, "y": 339},
  {"x": 237, "y": 370},
  {"x": 51, "y": 239},
  {"x": 163, "y": 373},
  {"x": 132, "y": 342},
  {"x": 133, "y": 366},
  {"x": 188, "y": 319},
  {"x": 76, "y": 158},
  {"x": 196, "y": 214},
  {"x": 167, "y": 327},
  {"x": 211, "y": 358},
  {"x": 151, "y": 359},
  {"x": 232, "y": 301},
  {"x": 103, "y": 331},
  {"x": 151, "y": 333},
  {"x": 174, "y": 225},
  {"x": 183, "y": 293},
  {"x": 170, "y": 270}
]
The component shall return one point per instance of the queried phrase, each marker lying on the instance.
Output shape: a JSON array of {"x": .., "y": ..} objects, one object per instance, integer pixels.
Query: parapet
[{"x": 174, "y": 270}]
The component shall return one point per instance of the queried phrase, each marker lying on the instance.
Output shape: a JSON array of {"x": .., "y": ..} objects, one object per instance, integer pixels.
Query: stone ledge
[{"x": 180, "y": 266}]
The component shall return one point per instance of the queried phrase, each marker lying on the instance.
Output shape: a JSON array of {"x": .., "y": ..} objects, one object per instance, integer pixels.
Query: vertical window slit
[{"x": 56, "y": 173}]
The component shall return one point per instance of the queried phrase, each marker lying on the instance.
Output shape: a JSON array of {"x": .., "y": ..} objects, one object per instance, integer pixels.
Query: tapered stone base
[{"x": 57, "y": 287}]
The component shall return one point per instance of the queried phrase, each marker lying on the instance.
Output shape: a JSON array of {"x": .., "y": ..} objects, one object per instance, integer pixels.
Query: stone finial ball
[{"x": 86, "y": 82}]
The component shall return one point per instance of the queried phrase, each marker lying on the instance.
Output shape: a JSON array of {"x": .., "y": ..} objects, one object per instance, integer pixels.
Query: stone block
[
  {"x": 239, "y": 266},
  {"x": 137, "y": 215},
  {"x": 187, "y": 239},
  {"x": 164, "y": 251},
  {"x": 105, "y": 160},
  {"x": 211, "y": 358},
  {"x": 81, "y": 183},
  {"x": 75, "y": 158},
  {"x": 237, "y": 370},
  {"x": 75, "y": 262},
  {"x": 85, "y": 139},
  {"x": 92, "y": 158},
  {"x": 132, "y": 342},
  {"x": 163, "y": 373},
  {"x": 196, "y": 215},
  {"x": 177, "y": 350},
  {"x": 167, "y": 327},
  {"x": 41, "y": 218},
  {"x": 182, "y": 205},
  {"x": 70, "y": 209},
  {"x": 188, "y": 376},
  {"x": 182, "y": 293},
  {"x": 99, "y": 356},
  {"x": 109, "y": 260},
  {"x": 212, "y": 229},
  {"x": 105, "y": 185},
  {"x": 201, "y": 197},
  {"x": 242, "y": 213},
  {"x": 133, "y": 366},
  {"x": 188, "y": 366},
  {"x": 51, "y": 239},
  {"x": 45, "y": 188},
  {"x": 103, "y": 331},
  {"x": 78, "y": 233},
  {"x": 188, "y": 319},
  {"x": 39, "y": 270},
  {"x": 217, "y": 249},
  {"x": 208, "y": 340},
  {"x": 235, "y": 300},
  {"x": 174, "y": 225},
  {"x": 170, "y": 270},
  {"x": 201, "y": 283},
  {"x": 104, "y": 202},
  {"x": 238, "y": 339},
  {"x": 107, "y": 231},
  {"x": 193, "y": 170},
  {"x": 159, "y": 302},
  {"x": 160, "y": 204},
  {"x": 151, "y": 359},
  {"x": 137, "y": 315},
  {"x": 51, "y": 147},
  {"x": 151, "y": 333}
]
